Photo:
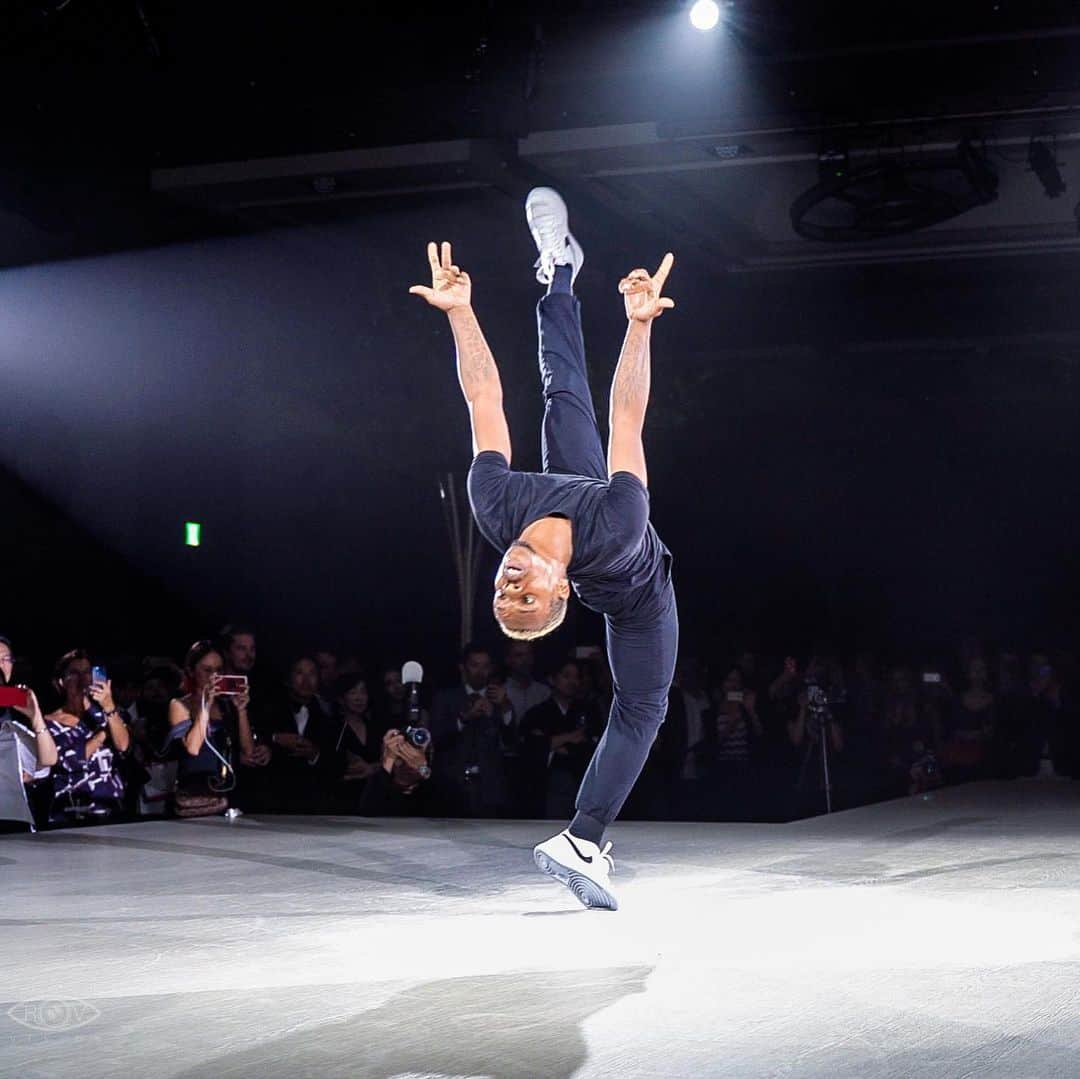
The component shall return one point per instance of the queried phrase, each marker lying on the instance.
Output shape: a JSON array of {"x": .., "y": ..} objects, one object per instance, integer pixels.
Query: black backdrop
[{"x": 881, "y": 456}]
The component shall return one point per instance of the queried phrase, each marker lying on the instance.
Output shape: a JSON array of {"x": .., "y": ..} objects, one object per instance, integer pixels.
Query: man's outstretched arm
[
  {"x": 451, "y": 291},
  {"x": 630, "y": 386}
]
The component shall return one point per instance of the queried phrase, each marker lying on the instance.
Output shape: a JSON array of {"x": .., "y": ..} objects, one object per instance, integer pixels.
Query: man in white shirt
[{"x": 522, "y": 689}]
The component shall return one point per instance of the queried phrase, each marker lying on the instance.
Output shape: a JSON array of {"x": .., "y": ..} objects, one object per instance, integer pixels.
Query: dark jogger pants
[{"x": 641, "y": 647}]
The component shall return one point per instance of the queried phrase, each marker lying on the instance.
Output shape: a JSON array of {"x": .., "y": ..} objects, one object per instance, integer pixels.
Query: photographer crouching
[{"x": 403, "y": 785}]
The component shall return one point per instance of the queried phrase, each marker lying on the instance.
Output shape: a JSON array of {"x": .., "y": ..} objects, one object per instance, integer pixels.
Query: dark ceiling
[{"x": 106, "y": 102}]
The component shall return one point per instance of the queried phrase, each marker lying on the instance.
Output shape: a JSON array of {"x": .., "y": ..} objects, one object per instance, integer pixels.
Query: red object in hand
[
  {"x": 14, "y": 697},
  {"x": 231, "y": 685}
]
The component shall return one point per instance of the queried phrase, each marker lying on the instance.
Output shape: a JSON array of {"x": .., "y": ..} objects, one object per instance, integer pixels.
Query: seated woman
[
  {"x": 359, "y": 744},
  {"x": 206, "y": 723},
  {"x": 91, "y": 738}
]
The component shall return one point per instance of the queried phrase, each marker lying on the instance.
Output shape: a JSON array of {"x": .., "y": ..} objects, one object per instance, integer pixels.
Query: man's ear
[{"x": 562, "y": 589}]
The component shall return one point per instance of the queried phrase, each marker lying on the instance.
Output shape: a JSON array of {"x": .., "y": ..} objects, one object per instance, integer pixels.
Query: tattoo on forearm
[
  {"x": 476, "y": 365},
  {"x": 631, "y": 386}
]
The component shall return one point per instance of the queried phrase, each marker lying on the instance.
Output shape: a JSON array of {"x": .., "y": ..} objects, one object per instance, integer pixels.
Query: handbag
[{"x": 194, "y": 798}]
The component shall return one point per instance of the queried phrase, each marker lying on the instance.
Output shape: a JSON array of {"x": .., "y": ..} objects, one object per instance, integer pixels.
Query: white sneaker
[
  {"x": 582, "y": 866},
  {"x": 549, "y": 223}
]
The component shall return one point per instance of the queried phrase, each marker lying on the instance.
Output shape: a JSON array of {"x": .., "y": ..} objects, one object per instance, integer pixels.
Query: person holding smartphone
[
  {"x": 37, "y": 748},
  {"x": 207, "y": 718},
  {"x": 91, "y": 738}
]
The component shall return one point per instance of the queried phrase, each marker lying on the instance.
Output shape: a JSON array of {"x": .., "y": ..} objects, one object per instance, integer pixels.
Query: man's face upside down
[{"x": 526, "y": 585}]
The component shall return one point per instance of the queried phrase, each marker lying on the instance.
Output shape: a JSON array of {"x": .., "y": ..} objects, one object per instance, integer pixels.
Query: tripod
[{"x": 818, "y": 718}]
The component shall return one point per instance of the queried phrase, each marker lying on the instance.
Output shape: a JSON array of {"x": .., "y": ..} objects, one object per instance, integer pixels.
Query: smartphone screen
[
  {"x": 14, "y": 697},
  {"x": 735, "y": 695},
  {"x": 931, "y": 678},
  {"x": 98, "y": 675},
  {"x": 232, "y": 685}
]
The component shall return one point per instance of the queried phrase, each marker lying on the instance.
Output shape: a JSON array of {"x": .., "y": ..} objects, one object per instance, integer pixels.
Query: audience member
[
  {"x": 394, "y": 709},
  {"x": 33, "y": 750},
  {"x": 967, "y": 734},
  {"x": 405, "y": 786},
  {"x": 470, "y": 725},
  {"x": 738, "y": 734},
  {"x": 302, "y": 737},
  {"x": 696, "y": 772},
  {"x": 560, "y": 735},
  {"x": 239, "y": 650},
  {"x": 1042, "y": 735},
  {"x": 154, "y": 774},
  {"x": 36, "y": 746},
  {"x": 207, "y": 723},
  {"x": 359, "y": 743},
  {"x": 326, "y": 659},
  {"x": 90, "y": 738},
  {"x": 909, "y": 751},
  {"x": 522, "y": 689}
]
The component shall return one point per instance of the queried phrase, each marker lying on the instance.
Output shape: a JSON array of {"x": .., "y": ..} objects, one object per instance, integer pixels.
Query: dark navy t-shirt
[{"x": 619, "y": 566}]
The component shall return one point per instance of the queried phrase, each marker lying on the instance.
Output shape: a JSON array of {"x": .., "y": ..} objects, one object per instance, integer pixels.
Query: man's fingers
[
  {"x": 422, "y": 290},
  {"x": 665, "y": 302},
  {"x": 447, "y": 257},
  {"x": 665, "y": 268},
  {"x": 433, "y": 256}
]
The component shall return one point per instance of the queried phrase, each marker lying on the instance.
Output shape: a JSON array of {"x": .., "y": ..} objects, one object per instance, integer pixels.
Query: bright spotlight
[{"x": 705, "y": 14}]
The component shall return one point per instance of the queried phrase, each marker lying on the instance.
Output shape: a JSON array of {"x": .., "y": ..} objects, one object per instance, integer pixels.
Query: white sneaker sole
[{"x": 586, "y": 891}]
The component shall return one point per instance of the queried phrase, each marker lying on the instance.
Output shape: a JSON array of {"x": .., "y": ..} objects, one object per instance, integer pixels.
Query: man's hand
[
  {"x": 478, "y": 706},
  {"x": 496, "y": 693},
  {"x": 450, "y": 285},
  {"x": 641, "y": 293},
  {"x": 258, "y": 758}
]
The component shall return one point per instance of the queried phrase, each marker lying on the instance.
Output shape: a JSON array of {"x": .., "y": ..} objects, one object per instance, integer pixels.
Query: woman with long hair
[{"x": 205, "y": 720}]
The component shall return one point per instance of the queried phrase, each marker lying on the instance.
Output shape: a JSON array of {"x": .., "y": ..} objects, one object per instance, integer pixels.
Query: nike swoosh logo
[{"x": 576, "y": 851}]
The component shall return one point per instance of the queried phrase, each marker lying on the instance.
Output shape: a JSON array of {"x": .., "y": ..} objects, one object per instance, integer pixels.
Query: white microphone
[{"x": 412, "y": 674}]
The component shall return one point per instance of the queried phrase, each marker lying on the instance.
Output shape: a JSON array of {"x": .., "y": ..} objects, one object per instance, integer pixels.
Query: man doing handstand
[{"x": 582, "y": 522}]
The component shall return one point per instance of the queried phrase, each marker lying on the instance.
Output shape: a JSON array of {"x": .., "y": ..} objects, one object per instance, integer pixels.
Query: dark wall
[{"x": 884, "y": 455}]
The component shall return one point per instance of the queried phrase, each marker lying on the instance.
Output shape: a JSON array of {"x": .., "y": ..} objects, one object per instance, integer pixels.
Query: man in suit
[
  {"x": 301, "y": 737},
  {"x": 470, "y": 726}
]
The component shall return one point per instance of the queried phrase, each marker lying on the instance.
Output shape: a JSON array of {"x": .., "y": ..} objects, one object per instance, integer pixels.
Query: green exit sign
[{"x": 192, "y": 533}]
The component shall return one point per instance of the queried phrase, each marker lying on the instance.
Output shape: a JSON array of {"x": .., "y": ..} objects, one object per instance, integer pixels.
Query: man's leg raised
[{"x": 570, "y": 440}]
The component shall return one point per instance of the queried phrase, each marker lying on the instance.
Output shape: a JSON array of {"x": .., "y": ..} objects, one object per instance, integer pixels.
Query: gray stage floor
[{"x": 913, "y": 938}]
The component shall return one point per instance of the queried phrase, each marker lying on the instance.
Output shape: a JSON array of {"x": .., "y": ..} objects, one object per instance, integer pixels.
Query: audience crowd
[{"x": 746, "y": 738}]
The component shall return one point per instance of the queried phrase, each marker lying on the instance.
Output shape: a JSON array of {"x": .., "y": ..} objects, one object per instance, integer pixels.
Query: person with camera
[
  {"x": 403, "y": 784},
  {"x": 91, "y": 738},
  {"x": 816, "y": 732},
  {"x": 730, "y": 758},
  {"x": 206, "y": 721},
  {"x": 37, "y": 748},
  {"x": 393, "y": 709}
]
